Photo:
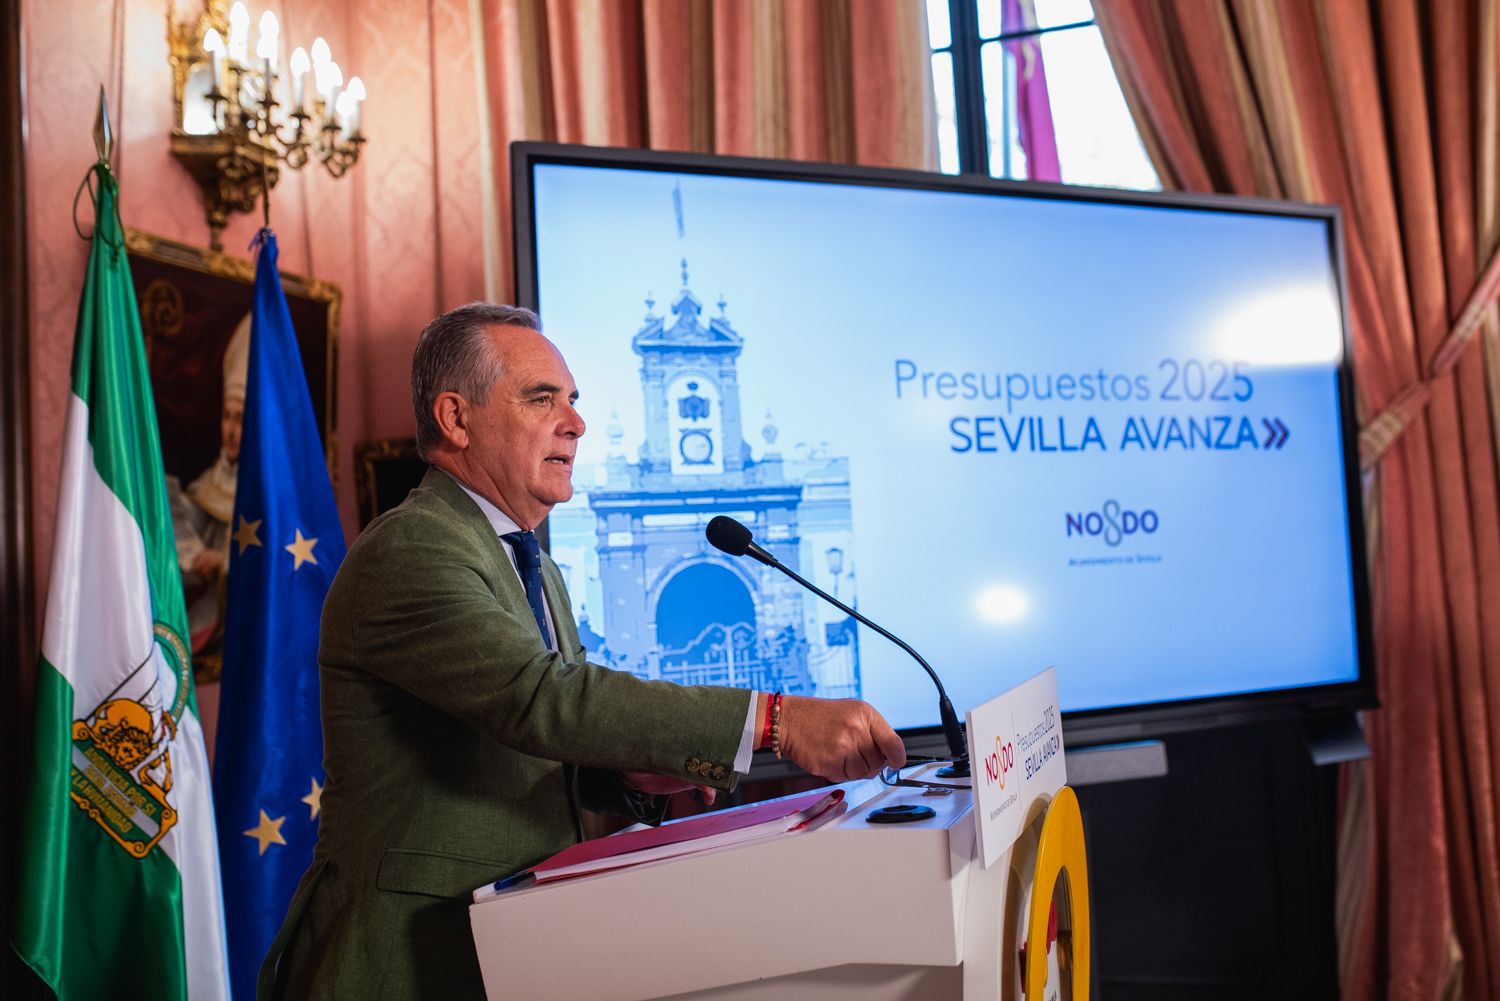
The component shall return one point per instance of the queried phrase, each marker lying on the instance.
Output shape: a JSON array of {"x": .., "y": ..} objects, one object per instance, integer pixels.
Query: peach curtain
[
  {"x": 1387, "y": 108},
  {"x": 835, "y": 80}
]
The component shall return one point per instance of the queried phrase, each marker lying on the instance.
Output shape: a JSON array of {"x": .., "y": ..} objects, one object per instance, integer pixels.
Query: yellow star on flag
[
  {"x": 314, "y": 799},
  {"x": 267, "y": 832},
  {"x": 245, "y": 534},
  {"x": 302, "y": 551}
]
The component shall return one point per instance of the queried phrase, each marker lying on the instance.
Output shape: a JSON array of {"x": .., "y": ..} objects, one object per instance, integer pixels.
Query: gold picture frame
[
  {"x": 385, "y": 471},
  {"x": 191, "y": 300}
]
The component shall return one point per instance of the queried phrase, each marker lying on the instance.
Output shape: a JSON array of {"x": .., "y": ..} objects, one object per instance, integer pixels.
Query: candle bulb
[
  {"x": 335, "y": 82},
  {"x": 344, "y": 113},
  {"x": 266, "y": 49},
  {"x": 213, "y": 44},
  {"x": 356, "y": 93},
  {"x": 300, "y": 65},
  {"x": 239, "y": 33},
  {"x": 321, "y": 57},
  {"x": 270, "y": 37}
]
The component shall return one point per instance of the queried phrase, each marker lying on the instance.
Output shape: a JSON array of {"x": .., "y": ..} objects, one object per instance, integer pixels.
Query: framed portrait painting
[{"x": 195, "y": 318}]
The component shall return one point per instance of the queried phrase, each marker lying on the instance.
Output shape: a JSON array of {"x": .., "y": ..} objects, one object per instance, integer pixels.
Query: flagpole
[{"x": 265, "y": 191}]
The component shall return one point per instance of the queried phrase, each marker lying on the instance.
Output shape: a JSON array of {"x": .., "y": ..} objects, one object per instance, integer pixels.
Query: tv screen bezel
[{"x": 1089, "y": 726}]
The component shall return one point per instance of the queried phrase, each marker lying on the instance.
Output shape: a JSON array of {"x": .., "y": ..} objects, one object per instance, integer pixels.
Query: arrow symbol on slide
[{"x": 1277, "y": 432}]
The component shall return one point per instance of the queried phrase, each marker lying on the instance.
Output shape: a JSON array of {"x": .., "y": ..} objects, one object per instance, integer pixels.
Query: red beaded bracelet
[
  {"x": 776, "y": 724},
  {"x": 773, "y": 705}
]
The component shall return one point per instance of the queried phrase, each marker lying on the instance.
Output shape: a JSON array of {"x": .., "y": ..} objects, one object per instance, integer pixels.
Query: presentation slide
[{"x": 1015, "y": 431}]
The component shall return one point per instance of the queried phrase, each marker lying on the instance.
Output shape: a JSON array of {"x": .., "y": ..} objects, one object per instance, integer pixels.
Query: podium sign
[{"x": 1016, "y": 755}]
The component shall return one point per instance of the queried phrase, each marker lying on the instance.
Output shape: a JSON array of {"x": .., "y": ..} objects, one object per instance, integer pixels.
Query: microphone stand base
[{"x": 959, "y": 769}]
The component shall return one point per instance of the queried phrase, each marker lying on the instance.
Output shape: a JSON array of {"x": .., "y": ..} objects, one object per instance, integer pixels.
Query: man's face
[
  {"x": 525, "y": 435},
  {"x": 231, "y": 422}
]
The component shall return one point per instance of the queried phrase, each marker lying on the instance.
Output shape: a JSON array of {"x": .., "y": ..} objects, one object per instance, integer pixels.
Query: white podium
[{"x": 851, "y": 910}]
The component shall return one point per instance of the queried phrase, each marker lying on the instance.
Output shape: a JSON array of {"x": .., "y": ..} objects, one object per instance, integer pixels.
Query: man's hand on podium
[{"x": 838, "y": 739}]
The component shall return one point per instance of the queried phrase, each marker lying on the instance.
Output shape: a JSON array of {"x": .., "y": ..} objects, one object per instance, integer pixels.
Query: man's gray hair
[{"x": 454, "y": 355}]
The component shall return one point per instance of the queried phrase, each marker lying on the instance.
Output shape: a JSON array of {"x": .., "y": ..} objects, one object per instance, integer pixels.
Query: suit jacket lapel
[
  {"x": 562, "y": 612},
  {"x": 506, "y": 577}
]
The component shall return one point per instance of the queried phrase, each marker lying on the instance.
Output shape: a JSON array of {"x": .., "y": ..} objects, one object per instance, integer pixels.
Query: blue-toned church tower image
[{"x": 673, "y": 607}]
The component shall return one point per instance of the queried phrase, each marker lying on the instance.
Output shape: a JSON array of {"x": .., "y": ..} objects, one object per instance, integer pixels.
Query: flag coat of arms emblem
[{"x": 119, "y": 870}]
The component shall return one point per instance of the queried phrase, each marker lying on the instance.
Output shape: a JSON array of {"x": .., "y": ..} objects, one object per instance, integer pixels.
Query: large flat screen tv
[{"x": 1019, "y": 425}]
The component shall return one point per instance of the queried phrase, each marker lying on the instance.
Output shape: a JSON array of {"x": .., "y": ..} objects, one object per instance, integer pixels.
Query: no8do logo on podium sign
[{"x": 1017, "y": 740}]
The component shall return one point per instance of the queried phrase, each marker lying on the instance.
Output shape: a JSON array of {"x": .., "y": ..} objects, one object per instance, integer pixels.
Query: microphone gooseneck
[{"x": 730, "y": 536}]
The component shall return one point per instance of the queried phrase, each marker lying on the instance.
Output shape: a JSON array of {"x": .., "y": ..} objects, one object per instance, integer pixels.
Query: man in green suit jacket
[{"x": 463, "y": 730}]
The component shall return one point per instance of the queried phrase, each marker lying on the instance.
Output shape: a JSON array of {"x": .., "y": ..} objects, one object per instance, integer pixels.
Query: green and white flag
[{"x": 120, "y": 893}]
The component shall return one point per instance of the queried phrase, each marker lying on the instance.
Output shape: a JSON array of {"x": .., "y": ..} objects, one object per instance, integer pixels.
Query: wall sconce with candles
[{"x": 237, "y": 119}]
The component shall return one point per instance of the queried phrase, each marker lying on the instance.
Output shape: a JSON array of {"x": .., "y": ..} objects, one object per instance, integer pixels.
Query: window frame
[{"x": 964, "y": 47}]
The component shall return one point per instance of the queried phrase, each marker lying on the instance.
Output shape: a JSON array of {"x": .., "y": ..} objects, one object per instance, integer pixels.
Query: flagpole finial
[{"x": 104, "y": 139}]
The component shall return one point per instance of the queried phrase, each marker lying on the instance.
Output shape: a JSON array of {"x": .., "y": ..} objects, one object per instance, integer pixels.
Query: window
[{"x": 1025, "y": 90}]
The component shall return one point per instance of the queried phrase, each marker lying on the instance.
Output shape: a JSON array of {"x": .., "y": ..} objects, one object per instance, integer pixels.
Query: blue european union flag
[{"x": 286, "y": 546}]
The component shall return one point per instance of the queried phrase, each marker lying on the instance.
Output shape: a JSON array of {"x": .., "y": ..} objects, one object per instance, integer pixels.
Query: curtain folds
[
  {"x": 833, "y": 80},
  {"x": 1387, "y": 108}
]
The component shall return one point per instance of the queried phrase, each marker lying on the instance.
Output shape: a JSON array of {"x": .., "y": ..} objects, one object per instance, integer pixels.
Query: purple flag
[{"x": 1033, "y": 109}]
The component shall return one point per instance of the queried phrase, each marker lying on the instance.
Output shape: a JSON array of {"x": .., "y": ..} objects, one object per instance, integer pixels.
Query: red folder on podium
[{"x": 684, "y": 837}]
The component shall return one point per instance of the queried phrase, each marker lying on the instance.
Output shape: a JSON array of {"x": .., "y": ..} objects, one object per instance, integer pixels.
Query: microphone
[{"x": 729, "y": 536}]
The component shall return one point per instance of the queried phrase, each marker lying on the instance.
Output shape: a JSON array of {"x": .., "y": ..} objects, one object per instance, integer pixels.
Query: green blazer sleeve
[{"x": 429, "y": 602}]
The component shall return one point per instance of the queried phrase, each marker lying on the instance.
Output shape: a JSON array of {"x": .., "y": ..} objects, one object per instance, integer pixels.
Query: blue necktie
[{"x": 529, "y": 563}]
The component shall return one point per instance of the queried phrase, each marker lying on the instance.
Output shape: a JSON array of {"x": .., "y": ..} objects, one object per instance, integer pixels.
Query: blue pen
[{"x": 520, "y": 879}]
